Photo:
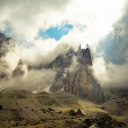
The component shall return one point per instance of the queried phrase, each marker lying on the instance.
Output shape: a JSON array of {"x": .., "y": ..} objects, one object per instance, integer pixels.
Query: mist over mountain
[
  {"x": 66, "y": 67},
  {"x": 36, "y": 30},
  {"x": 69, "y": 71},
  {"x": 61, "y": 92}
]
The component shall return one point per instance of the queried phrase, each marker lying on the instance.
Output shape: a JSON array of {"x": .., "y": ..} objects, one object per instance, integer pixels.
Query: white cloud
[
  {"x": 110, "y": 75},
  {"x": 92, "y": 20},
  {"x": 43, "y": 51},
  {"x": 13, "y": 55},
  {"x": 74, "y": 65},
  {"x": 35, "y": 80},
  {"x": 27, "y": 17},
  {"x": 96, "y": 18}
]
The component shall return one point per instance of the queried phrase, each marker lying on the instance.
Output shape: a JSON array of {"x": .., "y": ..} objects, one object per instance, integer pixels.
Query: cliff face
[
  {"x": 82, "y": 83},
  {"x": 80, "y": 80},
  {"x": 60, "y": 64}
]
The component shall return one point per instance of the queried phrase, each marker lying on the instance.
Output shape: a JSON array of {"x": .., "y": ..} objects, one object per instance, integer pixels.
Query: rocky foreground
[{"x": 23, "y": 109}]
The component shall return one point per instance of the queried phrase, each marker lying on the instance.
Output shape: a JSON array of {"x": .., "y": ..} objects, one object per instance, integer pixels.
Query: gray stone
[{"x": 94, "y": 126}]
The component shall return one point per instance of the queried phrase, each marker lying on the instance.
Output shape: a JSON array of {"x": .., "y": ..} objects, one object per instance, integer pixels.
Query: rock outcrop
[
  {"x": 20, "y": 70},
  {"x": 75, "y": 75},
  {"x": 82, "y": 83},
  {"x": 60, "y": 65}
]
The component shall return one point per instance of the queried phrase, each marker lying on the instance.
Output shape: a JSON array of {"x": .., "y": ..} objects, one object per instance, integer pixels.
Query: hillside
[{"x": 23, "y": 109}]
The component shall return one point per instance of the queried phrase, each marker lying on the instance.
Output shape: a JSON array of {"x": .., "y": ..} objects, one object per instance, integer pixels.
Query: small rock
[
  {"x": 102, "y": 115},
  {"x": 1, "y": 107},
  {"x": 25, "y": 107},
  {"x": 50, "y": 109},
  {"x": 79, "y": 112},
  {"x": 58, "y": 112},
  {"x": 88, "y": 121},
  {"x": 72, "y": 113},
  {"x": 32, "y": 109},
  {"x": 102, "y": 108},
  {"x": 44, "y": 111},
  {"x": 94, "y": 126}
]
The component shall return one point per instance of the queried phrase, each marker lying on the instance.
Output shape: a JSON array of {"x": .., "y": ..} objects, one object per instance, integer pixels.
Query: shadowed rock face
[
  {"x": 84, "y": 85},
  {"x": 19, "y": 70},
  {"x": 60, "y": 64},
  {"x": 5, "y": 44},
  {"x": 80, "y": 81}
]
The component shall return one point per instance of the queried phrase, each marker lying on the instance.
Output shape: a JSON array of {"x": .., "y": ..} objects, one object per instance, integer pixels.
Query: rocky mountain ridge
[
  {"x": 79, "y": 78},
  {"x": 69, "y": 103},
  {"x": 73, "y": 72}
]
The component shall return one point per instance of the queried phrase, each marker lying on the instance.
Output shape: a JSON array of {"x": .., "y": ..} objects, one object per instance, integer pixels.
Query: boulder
[
  {"x": 72, "y": 113},
  {"x": 79, "y": 112},
  {"x": 1, "y": 107}
]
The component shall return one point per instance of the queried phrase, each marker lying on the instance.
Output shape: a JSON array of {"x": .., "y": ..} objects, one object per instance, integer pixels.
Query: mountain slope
[{"x": 20, "y": 108}]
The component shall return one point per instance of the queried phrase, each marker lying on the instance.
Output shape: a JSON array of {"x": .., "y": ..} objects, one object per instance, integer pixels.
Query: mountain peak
[{"x": 79, "y": 79}]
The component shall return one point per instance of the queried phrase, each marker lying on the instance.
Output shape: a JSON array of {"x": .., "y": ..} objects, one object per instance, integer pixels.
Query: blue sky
[{"x": 55, "y": 32}]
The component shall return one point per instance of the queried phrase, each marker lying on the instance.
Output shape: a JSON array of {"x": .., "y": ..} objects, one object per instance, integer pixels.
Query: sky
[
  {"x": 38, "y": 27},
  {"x": 55, "y": 32}
]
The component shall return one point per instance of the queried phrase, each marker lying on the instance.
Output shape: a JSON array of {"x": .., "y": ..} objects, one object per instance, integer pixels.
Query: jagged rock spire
[
  {"x": 92, "y": 58},
  {"x": 81, "y": 81}
]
